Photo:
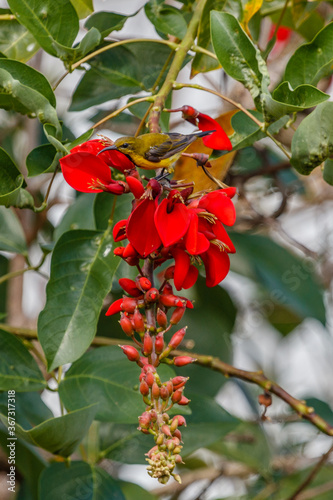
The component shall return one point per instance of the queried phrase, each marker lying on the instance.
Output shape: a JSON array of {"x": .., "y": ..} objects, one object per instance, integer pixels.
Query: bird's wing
[{"x": 174, "y": 145}]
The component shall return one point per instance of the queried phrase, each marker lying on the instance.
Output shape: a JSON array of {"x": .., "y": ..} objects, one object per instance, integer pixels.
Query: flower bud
[
  {"x": 167, "y": 289},
  {"x": 159, "y": 343},
  {"x": 131, "y": 353},
  {"x": 177, "y": 315},
  {"x": 183, "y": 360},
  {"x": 138, "y": 321},
  {"x": 265, "y": 399},
  {"x": 144, "y": 420},
  {"x": 144, "y": 388},
  {"x": 177, "y": 450},
  {"x": 143, "y": 283},
  {"x": 180, "y": 420},
  {"x": 160, "y": 439},
  {"x": 177, "y": 396},
  {"x": 169, "y": 273},
  {"x": 155, "y": 391},
  {"x": 184, "y": 401},
  {"x": 178, "y": 434},
  {"x": 152, "y": 295},
  {"x": 129, "y": 287},
  {"x": 118, "y": 251},
  {"x": 178, "y": 459},
  {"x": 129, "y": 251},
  {"x": 170, "y": 300},
  {"x": 147, "y": 344},
  {"x": 129, "y": 304},
  {"x": 150, "y": 379},
  {"x": 166, "y": 431},
  {"x": 161, "y": 318},
  {"x": 179, "y": 382},
  {"x": 149, "y": 368},
  {"x": 164, "y": 393},
  {"x": 177, "y": 338},
  {"x": 114, "y": 308},
  {"x": 126, "y": 325},
  {"x": 169, "y": 386}
]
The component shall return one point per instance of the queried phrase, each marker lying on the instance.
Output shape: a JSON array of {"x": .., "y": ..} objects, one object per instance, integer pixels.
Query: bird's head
[{"x": 125, "y": 145}]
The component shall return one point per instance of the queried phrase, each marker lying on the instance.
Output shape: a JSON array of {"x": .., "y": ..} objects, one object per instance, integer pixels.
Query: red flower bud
[
  {"x": 126, "y": 325},
  {"x": 144, "y": 388},
  {"x": 144, "y": 420},
  {"x": 149, "y": 368},
  {"x": 179, "y": 382},
  {"x": 118, "y": 251},
  {"x": 169, "y": 386},
  {"x": 128, "y": 304},
  {"x": 178, "y": 459},
  {"x": 177, "y": 315},
  {"x": 183, "y": 360},
  {"x": 147, "y": 344},
  {"x": 159, "y": 343},
  {"x": 161, "y": 318},
  {"x": 164, "y": 392},
  {"x": 131, "y": 353},
  {"x": 155, "y": 391},
  {"x": 178, "y": 434},
  {"x": 129, "y": 251},
  {"x": 177, "y": 396},
  {"x": 142, "y": 376},
  {"x": 152, "y": 295},
  {"x": 180, "y": 419},
  {"x": 169, "y": 273},
  {"x": 129, "y": 286},
  {"x": 177, "y": 338},
  {"x": 114, "y": 308},
  {"x": 143, "y": 283},
  {"x": 150, "y": 379},
  {"x": 138, "y": 321},
  {"x": 170, "y": 300},
  {"x": 184, "y": 401},
  {"x": 166, "y": 431}
]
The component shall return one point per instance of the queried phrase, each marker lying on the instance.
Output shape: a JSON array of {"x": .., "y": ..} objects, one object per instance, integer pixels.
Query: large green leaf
[
  {"x": 25, "y": 90},
  {"x": 82, "y": 269},
  {"x": 29, "y": 407},
  {"x": 290, "y": 280},
  {"x": 328, "y": 171},
  {"x": 239, "y": 57},
  {"x": 15, "y": 40},
  {"x": 11, "y": 181},
  {"x": 312, "y": 142},
  {"x": 118, "y": 72},
  {"x": 18, "y": 369},
  {"x": 166, "y": 18},
  {"x": 247, "y": 132},
  {"x": 60, "y": 435},
  {"x": 51, "y": 23},
  {"x": 83, "y": 7},
  {"x": 312, "y": 61},
  {"x": 12, "y": 237},
  {"x": 79, "y": 215},
  {"x": 106, "y": 377},
  {"x": 78, "y": 480},
  {"x": 42, "y": 159},
  {"x": 106, "y": 22}
]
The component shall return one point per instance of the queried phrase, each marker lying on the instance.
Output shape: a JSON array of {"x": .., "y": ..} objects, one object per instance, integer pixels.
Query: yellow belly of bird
[{"x": 150, "y": 165}]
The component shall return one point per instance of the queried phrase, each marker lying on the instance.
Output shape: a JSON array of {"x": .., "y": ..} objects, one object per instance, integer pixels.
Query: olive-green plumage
[{"x": 152, "y": 151}]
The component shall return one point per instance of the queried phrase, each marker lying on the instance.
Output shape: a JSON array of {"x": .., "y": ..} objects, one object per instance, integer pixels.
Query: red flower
[
  {"x": 172, "y": 218},
  {"x": 141, "y": 230},
  {"x": 218, "y": 140},
  {"x": 84, "y": 171}
]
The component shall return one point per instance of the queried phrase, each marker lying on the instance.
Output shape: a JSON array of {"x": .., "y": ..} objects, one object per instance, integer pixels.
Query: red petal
[
  {"x": 191, "y": 277},
  {"x": 130, "y": 287},
  {"x": 171, "y": 225},
  {"x": 117, "y": 160},
  {"x": 217, "y": 140},
  {"x": 135, "y": 186},
  {"x": 222, "y": 235},
  {"x": 115, "y": 307},
  {"x": 141, "y": 230},
  {"x": 83, "y": 171},
  {"x": 182, "y": 265},
  {"x": 119, "y": 230},
  {"x": 217, "y": 203},
  {"x": 217, "y": 265},
  {"x": 94, "y": 146},
  {"x": 195, "y": 241}
]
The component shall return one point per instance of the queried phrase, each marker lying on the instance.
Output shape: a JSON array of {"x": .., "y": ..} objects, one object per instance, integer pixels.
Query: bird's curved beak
[{"x": 113, "y": 147}]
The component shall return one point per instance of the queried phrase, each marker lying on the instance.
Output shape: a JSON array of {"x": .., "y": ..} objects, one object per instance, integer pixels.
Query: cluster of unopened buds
[{"x": 168, "y": 222}]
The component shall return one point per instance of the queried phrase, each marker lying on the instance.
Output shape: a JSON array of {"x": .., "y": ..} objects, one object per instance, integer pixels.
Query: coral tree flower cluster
[{"x": 172, "y": 229}]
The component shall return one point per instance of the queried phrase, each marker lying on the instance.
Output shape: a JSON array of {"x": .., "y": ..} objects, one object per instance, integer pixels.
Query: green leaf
[
  {"x": 82, "y": 138},
  {"x": 79, "y": 215},
  {"x": 18, "y": 369},
  {"x": 247, "y": 131},
  {"x": 65, "y": 481},
  {"x": 201, "y": 62},
  {"x": 288, "y": 100},
  {"x": 312, "y": 61},
  {"x": 83, "y": 7},
  {"x": 29, "y": 407},
  {"x": 25, "y": 90},
  {"x": 82, "y": 269},
  {"x": 312, "y": 142},
  {"x": 42, "y": 159},
  {"x": 106, "y": 377},
  {"x": 104, "y": 207},
  {"x": 290, "y": 280},
  {"x": 118, "y": 72},
  {"x": 11, "y": 180},
  {"x": 131, "y": 491},
  {"x": 106, "y": 22},
  {"x": 12, "y": 237},
  {"x": 239, "y": 57},
  {"x": 165, "y": 18},
  {"x": 328, "y": 171},
  {"x": 15, "y": 40},
  {"x": 60, "y": 435},
  {"x": 51, "y": 23}
]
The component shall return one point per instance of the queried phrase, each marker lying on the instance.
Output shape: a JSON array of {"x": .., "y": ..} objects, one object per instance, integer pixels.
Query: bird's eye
[{"x": 125, "y": 145}]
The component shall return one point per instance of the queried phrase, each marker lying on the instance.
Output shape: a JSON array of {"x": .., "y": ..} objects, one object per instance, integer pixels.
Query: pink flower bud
[
  {"x": 169, "y": 386},
  {"x": 131, "y": 353},
  {"x": 149, "y": 368},
  {"x": 126, "y": 325},
  {"x": 179, "y": 382},
  {"x": 147, "y": 344},
  {"x": 183, "y": 360},
  {"x": 184, "y": 401},
  {"x": 177, "y": 396},
  {"x": 166, "y": 431},
  {"x": 159, "y": 343},
  {"x": 177, "y": 338},
  {"x": 177, "y": 315},
  {"x": 164, "y": 393},
  {"x": 144, "y": 420},
  {"x": 178, "y": 459},
  {"x": 161, "y": 318},
  {"x": 138, "y": 321},
  {"x": 178, "y": 434},
  {"x": 180, "y": 419},
  {"x": 150, "y": 379},
  {"x": 144, "y": 388},
  {"x": 155, "y": 391}
]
